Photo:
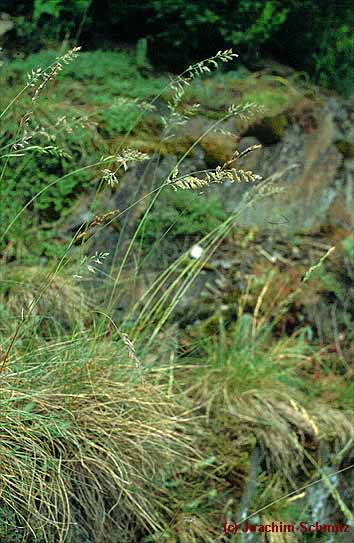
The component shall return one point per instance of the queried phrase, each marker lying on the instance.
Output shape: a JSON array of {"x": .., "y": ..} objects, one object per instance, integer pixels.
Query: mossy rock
[
  {"x": 346, "y": 148},
  {"x": 278, "y": 125},
  {"x": 218, "y": 148},
  {"x": 147, "y": 144},
  {"x": 270, "y": 130}
]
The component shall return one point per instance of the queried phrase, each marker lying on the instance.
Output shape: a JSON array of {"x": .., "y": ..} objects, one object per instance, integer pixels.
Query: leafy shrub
[
  {"x": 41, "y": 23},
  {"x": 319, "y": 38},
  {"x": 178, "y": 31},
  {"x": 305, "y": 34},
  {"x": 57, "y": 8}
]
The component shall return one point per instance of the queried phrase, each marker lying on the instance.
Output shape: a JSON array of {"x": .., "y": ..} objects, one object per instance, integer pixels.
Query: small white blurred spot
[{"x": 196, "y": 251}]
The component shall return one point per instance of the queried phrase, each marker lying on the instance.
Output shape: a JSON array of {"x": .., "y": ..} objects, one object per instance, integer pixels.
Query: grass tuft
[{"x": 84, "y": 444}]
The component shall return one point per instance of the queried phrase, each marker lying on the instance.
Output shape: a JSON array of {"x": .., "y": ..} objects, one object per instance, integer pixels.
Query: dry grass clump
[
  {"x": 56, "y": 303},
  {"x": 262, "y": 390},
  {"x": 284, "y": 427},
  {"x": 252, "y": 386},
  {"x": 83, "y": 443},
  {"x": 260, "y": 430}
]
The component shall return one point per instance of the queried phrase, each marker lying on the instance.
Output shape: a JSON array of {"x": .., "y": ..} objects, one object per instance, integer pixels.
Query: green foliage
[
  {"x": 7, "y": 519},
  {"x": 112, "y": 70},
  {"x": 319, "y": 38},
  {"x": 55, "y": 8},
  {"x": 98, "y": 80},
  {"x": 46, "y": 7},
  {"x": 259, "y": 19},
  {"x": 333, "y": 62},
  {"x": 103, "y": 88},
  {"x": 245, "y": 25},
  {"x": 182, "y": 213},
  {"x": 348, "y": 246},
  {"x": 42, "y": 172},
  {"x": 249, "y": 356},
  {"x": 307, "y": 35},
  {"x": 10, "y": 531}
]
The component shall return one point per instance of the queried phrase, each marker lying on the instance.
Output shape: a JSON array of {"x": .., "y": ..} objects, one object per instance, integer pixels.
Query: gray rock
[{"x": 310, "y": 187}]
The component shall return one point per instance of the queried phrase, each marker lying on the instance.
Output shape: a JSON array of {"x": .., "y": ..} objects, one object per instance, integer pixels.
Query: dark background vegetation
[{"x": 313, "y": 36}]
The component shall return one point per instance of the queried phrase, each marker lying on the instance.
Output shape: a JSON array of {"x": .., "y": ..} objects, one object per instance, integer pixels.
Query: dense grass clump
[{"x": 85, "y": 443}]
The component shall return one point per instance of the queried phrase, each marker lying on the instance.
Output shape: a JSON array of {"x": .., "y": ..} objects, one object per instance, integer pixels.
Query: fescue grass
[
  {"x": 106, "y": 433},
  {"x": 84, "y": 442}
]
